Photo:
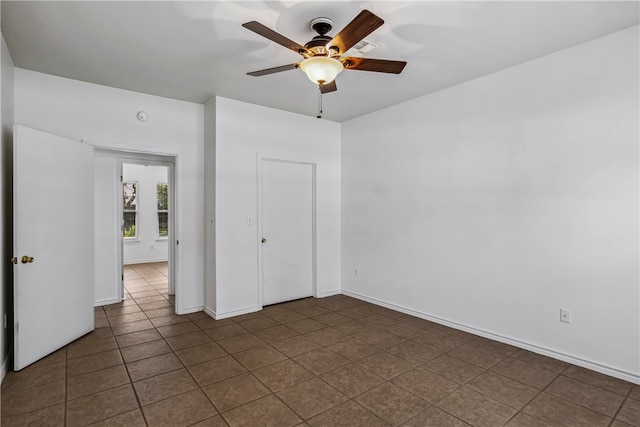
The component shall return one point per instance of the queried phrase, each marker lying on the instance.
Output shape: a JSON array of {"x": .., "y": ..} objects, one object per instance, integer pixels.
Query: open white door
[
  {"x": 287, "y": 231},
  {"x": 53, "y": 243}
]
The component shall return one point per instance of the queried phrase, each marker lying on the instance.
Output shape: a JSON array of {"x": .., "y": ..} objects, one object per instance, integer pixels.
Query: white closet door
[{"x": 287, "y": 231}]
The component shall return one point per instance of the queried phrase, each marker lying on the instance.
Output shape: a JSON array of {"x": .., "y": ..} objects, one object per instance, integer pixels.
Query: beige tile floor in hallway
[{"x": 334, "y": 361}]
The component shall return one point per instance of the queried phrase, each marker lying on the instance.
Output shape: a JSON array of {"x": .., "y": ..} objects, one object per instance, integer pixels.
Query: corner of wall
[{"x": 209, "y": 258}]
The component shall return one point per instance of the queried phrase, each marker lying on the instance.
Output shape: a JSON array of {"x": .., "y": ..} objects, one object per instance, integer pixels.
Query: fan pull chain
[{"x": 319, "y": 116}]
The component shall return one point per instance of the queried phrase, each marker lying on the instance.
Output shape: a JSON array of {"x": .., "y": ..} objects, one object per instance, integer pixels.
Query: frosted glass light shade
[{"x": 321, "y": 69}]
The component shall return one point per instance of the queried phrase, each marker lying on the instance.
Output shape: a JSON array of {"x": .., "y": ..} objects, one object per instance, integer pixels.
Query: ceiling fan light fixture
[{"x": 321, "y": 69}]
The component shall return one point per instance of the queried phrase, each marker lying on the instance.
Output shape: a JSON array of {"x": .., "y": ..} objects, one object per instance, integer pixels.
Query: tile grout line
[
  {"x": 520, "y": 411},
  {"x": 318, "y": 376},
  {"x": 186, "y": 368},
  {"x": 131, "y": 382},
  {"x": 135, "y": 393},
  {"x": 122, "y": 357},
  {"x": 274, "y": 393},
  {"x": 624, "y": 401},
  {"x": 199, "y": 386},
  {"x": 613, "y": 418}
]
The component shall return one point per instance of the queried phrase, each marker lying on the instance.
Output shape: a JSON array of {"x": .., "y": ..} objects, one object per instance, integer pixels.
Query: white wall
[
  {"x": 493, "y": 204},
  {"x": 242, "y": 131},
  {"x": 107, "y": 116},
  {"x": 147, "y": 246},
  {"x": 6, "y": 216},
  {"x": 108, "y": 281}
]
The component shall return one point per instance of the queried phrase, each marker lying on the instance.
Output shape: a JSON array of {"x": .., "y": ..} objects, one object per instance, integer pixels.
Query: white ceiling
[{"x": 195, "y": 50}]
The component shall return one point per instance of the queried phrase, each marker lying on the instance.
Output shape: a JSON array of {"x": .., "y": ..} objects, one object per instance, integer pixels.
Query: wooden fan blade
[
  {"x": 369, "y": 64},
  {"x": 268, "y": 33},
  {"x": 361, "y": 26},
  {"x": 329, "y": 87},
  {"x": 273, "y": 70}
]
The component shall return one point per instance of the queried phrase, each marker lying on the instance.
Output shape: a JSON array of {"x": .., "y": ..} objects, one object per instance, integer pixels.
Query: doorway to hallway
[
  {"x": 146, "y": 215},
  {"x": 147, "y": 224}
]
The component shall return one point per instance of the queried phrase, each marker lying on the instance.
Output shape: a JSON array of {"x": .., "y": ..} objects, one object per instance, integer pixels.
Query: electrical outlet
[
  {"x": 357, "y": 272},
  {"x": 565, "y": 315}
]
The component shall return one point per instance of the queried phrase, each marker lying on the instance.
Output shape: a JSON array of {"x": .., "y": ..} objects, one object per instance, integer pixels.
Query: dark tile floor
[{"x": 334, "y": 361}]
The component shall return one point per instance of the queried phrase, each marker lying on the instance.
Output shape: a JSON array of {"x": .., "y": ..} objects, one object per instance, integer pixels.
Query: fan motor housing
[{"x": 318, "y": 45}]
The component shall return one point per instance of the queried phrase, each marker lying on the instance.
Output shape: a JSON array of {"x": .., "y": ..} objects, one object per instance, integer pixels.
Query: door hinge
[
  {"x": 177, "y": 242},
  {"x": 122, "y": 277}
]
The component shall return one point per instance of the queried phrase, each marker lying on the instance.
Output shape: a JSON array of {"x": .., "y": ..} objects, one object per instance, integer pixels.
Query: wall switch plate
[{"x": 565, "y": 315}]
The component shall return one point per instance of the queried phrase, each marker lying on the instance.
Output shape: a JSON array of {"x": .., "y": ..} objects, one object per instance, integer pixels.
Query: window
[
  {"x": 129, "y": 209},
  {"x": 162, "y": 197}
]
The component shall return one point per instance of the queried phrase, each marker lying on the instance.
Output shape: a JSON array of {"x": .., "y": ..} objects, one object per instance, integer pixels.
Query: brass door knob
[
  {"x": 25, "y": 259},
  {"x": 264, "y": 240}
]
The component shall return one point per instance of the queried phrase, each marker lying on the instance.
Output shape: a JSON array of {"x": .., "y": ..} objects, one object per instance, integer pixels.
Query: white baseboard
[
  {"x": 5, "y": 364},
  {"x": 603, "y": 369},
  {"x": 101, "y": 302},
  {"x": 226, "y": 314},
  {"x": 329, "y": 293},
  {"x": 145, "y": 261},
  {"x": 209, "y": 312},
  {"x": 190, "y": 310}
]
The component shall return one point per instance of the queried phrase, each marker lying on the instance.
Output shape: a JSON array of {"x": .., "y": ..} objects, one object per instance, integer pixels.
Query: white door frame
[
  {"x": 314, "y": 170},
  {"x": 161, "y": 155},
  {"x": 171, "y": 242}
]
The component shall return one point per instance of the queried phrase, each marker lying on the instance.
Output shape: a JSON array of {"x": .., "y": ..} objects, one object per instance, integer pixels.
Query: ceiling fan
[{"x": 323, "y": 59}]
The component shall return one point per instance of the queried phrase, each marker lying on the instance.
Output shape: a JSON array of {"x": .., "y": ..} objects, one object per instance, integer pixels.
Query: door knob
[
  {"x": 264, "y": 240},
  {"x": 25, "y": 259}
]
